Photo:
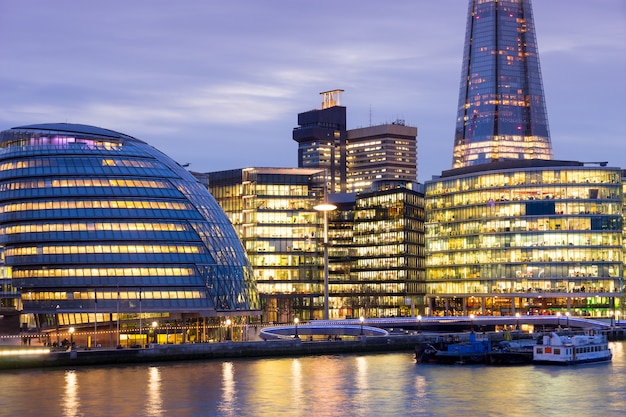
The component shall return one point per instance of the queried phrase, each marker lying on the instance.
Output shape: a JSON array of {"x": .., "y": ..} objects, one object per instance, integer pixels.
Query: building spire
[{"x": 501, "y": 112}]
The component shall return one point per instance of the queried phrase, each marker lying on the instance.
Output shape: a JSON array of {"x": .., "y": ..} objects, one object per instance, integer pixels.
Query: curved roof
[
  {"x": 126, "y": 222},
  {"x": 75, "y": 128}
]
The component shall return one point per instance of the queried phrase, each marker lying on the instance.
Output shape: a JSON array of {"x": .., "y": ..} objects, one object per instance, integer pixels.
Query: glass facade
[
  {"x": 529, "y": 236},
  {"x": 388, "y": 265},
  {"x": 501, "y": 111},
  {"x": 99, "y": 226},
  {"x": 272, "y": 210},
  {"x": 375, "y": 252}
]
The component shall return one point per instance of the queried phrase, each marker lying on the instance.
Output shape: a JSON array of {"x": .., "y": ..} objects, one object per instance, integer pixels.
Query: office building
[
  {"x": 535, "y": 237},
  {"x": 508, "y": 229},
  {"x": 385, "y": 152},
  {"x": 388, "y": 264},
  {"x": 321, "y": 136},
  {"x": 272, "y": 211},
  {"x": 99, "y": 229},
  {"x": 375, "y": 243},
  {"x": 354, "y": 159},
  {"x": 501, "y": 110}
]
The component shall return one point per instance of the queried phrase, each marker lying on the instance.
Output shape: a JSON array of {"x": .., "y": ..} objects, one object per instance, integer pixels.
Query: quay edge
[{"x": 200, "y": 351}]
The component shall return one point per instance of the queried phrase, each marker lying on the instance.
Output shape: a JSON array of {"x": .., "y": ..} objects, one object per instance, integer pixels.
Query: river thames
[{"x": 389, "y": 384}]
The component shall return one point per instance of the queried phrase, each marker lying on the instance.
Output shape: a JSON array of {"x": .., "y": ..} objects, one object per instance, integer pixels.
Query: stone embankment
[{"x": 24, "y": 357}]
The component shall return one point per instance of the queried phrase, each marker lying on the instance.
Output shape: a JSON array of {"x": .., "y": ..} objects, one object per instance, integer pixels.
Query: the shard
[{"x": 502, "y": 112}]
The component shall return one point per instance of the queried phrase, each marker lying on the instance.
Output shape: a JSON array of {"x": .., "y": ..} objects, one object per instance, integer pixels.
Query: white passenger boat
[{"x": 571, "y": 350}]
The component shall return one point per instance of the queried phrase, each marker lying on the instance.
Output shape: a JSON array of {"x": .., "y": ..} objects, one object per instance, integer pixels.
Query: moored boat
[
  {"x": 571, "y": 350},
  {"x": 512, "y": 353},
  {"x": 472, "y": 352}
]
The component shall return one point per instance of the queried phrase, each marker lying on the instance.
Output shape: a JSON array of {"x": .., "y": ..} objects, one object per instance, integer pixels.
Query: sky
[{"x": 219, "y": 84}]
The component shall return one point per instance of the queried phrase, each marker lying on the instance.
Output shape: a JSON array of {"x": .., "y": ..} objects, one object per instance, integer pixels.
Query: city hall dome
[{"x": 95, "y": 223}]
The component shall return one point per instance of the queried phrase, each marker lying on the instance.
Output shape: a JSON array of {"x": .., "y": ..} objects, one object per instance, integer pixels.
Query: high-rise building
[
  {"x": 354, "y": 159},
  {"x": 501, "y": 111},
  {"x": 386, "y": 152},
  {"x": 508, "y": 229},
  {"x": 321, "y": 136}
]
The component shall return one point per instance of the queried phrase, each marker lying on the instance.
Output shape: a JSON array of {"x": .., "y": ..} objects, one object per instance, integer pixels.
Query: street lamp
[
  {"x": 558, "y": 319},
  {"x": 296, "y": 320},
  {"x": 228, "y": 322},
  {"x": 517, "y": 316},
  {"x": 72, "y": 337},
  {"x": 611, "y": 315},
  {"x": 419, "y": 323},
  {"x": 567, "y": 314},
  {"x": 361, "y": 319},
  {"x": 325, "y": 208},
  {"x": 472, "y": 321},
  {"x": 154, "y": 333}
]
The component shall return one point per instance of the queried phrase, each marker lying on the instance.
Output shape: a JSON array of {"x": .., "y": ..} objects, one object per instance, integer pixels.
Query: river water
[{"x": 389, "y": 384}]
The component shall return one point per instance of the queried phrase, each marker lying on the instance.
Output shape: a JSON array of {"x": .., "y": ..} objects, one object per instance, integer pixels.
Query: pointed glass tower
[{"x": 502, "y": 111}]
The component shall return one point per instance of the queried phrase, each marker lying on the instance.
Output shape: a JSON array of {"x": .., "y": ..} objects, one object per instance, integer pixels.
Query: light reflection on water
[
  {"x": 333, "y": 385},
  {"x": 154, "y": 404},
  {"x": 70, "y": 399}
]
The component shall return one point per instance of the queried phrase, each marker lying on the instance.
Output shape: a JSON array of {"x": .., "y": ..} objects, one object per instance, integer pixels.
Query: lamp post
[
  {"x": 517, "y": 316},
  {"x": 72, "y": 337},
  {"x": 325, "y": 208},
  {"x": 296, "y": 320},
  {"x": 472, "y": 321},
  {"x": 228, "y": 322},
  {"x": 154, "y": 331},
  {"x": 567, "y": 314},
  {"x": 361, "y": 319},
  {"x": 611, "y": 316},
  {"x": 140, "y": 323},
  {"x": 419, "y": 323},
  {"x": 558, "y": 319}
]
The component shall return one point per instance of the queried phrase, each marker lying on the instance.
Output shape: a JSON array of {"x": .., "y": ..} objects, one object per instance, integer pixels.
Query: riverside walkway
[{"x": 314, "y": 338}]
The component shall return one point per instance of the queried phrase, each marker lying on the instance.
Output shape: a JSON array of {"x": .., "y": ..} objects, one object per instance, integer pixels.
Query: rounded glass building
[{"x": 99, "y": 227}]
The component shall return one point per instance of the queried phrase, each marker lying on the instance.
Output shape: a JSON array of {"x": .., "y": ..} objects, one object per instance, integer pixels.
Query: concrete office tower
[
  {"x": 386, "y": 152},
  {"x": 321, "y": 137},
  {"x": 501, "y": 111}
]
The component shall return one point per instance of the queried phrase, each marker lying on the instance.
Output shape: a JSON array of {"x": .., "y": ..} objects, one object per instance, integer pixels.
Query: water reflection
[
  {"x": 296, "y": 383},
  {"x": 227, "y": 405},
  {"x": 327, "y": 385},
  {"x": 361, "y": 381},
  {"x": 154, "y": 406},
  {"x": 70, "y": 398}
]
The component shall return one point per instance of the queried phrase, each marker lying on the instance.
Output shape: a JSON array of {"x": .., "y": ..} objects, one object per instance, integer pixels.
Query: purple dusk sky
[{"x": 219, "y": 84}]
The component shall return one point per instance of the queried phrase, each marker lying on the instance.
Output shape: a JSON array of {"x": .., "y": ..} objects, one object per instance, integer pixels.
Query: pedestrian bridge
[
  {"x": 459, "y": 323},
  {"x": 330, "y": 329}
]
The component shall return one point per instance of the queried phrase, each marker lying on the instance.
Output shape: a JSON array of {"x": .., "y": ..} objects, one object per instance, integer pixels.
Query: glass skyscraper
[
  {"x": 100, "y": 227},
  {"x": 509, "y": 229},
  {"x": 501, "y": 110}
]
